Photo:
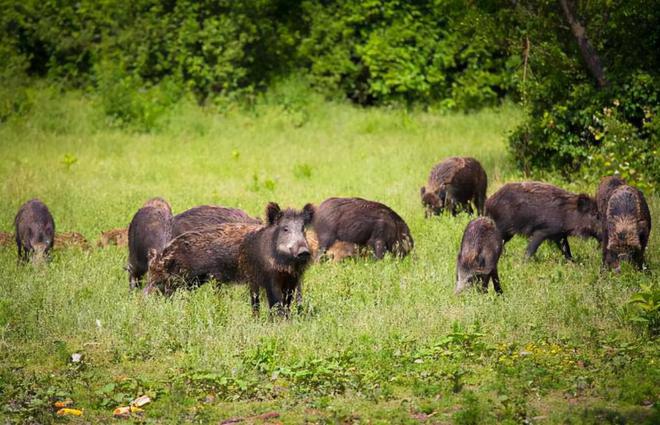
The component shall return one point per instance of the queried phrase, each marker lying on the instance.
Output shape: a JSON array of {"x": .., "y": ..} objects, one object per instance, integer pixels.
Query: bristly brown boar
[
  {"x": 478, "y": 255},
  {"x": 626, "y": 227}
]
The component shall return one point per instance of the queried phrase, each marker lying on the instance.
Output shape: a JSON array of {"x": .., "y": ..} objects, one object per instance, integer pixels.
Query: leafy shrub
[
  {"x": 645, "y": 308},
  {"x": 392, "y": 51}
]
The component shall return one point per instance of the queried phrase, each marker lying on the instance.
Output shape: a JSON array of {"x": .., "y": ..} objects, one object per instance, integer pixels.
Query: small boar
[
  {"x": 275, "y": 257},
  {"x": 363, "y": 223},
  {"x": 605, "y": 189},
  {"x": 208, "y": 215},
  {"x": 337, "y": 252},
  {"x": 480, "y": 251},
  {"x": 452, "y": 183},
  {"x": 6, "y": 239},
  {"x": 150, "y": 229},
  {"x": 71, "y": 240},
  {"x": 118, "y": 237},
  {"x": 195, "y": 257},
  {"x": 35, "y": 231},
  {"x": 542, "y": 211},
  {"x": 626, "y": 227}
]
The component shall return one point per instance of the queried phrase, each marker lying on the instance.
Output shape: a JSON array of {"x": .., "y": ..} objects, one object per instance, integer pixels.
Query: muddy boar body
[
  {"x": 453, "y": 184},
  {"x": 195, "y": 257},
  {"x": 363, "y": 223},
  {"x": 605, "y": 189},
  {"x": 542, "y": 212},
  {"x": 626, "y": 227},
  {"x": 478, "y": 256},
  {"x": 275, "y": 257},
  {"x": 35, "y": 231},
  {"x": 150, "y": 230},
  {"x": 208, "y": 215}
]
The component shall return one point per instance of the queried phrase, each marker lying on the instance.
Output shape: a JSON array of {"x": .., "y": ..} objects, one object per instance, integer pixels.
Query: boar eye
[{"x": 286, "y": 229}]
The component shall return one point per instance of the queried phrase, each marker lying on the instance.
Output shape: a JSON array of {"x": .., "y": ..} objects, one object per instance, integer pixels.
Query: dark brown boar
[
  {"x": 117, "y": 236},
  {"x": 275, "y": 257},
  {"x": 150, "y": 229},
  {"x": 605, "y": 189},
  {"x": 71, "y": 240},
  {"x": 453, "y": 183},
  {"x": 542, "y": 211},
  {"x": 363, "y": 223},
  {"x": 195, "y": 257},
  {"x": 209, "y": 215},
  {"x": 480, "y": 251},
  {"x": 35, "y": 231},
  {"x": 626, "y": 227}
]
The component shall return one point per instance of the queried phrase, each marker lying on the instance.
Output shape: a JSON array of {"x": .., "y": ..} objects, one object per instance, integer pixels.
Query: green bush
[{"x": 423, "y": 52}]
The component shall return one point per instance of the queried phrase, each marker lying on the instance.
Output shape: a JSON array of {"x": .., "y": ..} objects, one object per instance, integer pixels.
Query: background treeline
[{"x": 587, "y": 73}]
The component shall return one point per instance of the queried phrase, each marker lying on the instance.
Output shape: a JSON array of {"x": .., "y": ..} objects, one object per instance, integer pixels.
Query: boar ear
[
  {"x": 273, "y": 213},
  {"x": 422, "y": 191},
  {"x": 308, "y": 213},
  {"x": 584, "y": 203}
]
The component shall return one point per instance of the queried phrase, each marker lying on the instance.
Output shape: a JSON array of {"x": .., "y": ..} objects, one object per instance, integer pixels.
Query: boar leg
[
  {"x": 534, "y": 243},
  {"x": 254, "y": 299},
  {"x": 496, "y": 281},
  {"x": 378, "y": 245},
  {"x": 274, "y": 295},
  {"x": 565, "y": 248},
  {"x": 638, "y": 259}
]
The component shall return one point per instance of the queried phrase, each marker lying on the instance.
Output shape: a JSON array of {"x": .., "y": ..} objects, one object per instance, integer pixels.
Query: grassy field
[{"x": 378, "y": 342}]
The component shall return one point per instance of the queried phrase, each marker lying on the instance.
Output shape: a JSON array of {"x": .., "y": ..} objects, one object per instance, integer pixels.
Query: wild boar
[
  {"x": 117, "y": 237},
  {"x": 363, "y": 223},
  {"x": 542, "y": 211},
  {"x": 275, "y": 257},
  {"x": 453, "y": 183},
  {"x": 35, "y": 231},
  {"x": 626, "y": 227},
  {"x": 209, "y": 215},
  {"x": 197, "y": 256},
  {"x": 605, "y": 189},
  {"x": 480, "y": 251},
  {"x": 150, "y": 229}
]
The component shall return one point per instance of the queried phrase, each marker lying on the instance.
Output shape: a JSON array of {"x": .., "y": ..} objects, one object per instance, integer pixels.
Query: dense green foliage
[
  {"x": 382, "y": 342},
  {"x": 141, "y": 57}
]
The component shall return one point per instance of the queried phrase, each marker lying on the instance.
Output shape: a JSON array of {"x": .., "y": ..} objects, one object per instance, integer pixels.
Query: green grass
[{"x": 378, "y": 342}]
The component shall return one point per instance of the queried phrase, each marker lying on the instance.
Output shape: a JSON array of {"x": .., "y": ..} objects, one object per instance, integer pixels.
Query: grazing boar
[
  {"x": 208, "y": 215},
  {"x": 626, "y": 227},
  {"x": 70, "y": 240},
  {"x": 197, "y": 256},
  {"x": 118, "y": 237},
  {"x": 150, "y": 230},
  {"x": 480, "y": 251},
  {"x": 337, "y": 252},
  {"x": 542, "y": 211},
  {"x": 454, "y": 183},
  {"x": 363, "y": 223},
  {"x": 35, "y": 231},
  {"x": 605, "y": 189},
  {"x": 6, "y": 238},
  {"x": 275, "y": 257}
]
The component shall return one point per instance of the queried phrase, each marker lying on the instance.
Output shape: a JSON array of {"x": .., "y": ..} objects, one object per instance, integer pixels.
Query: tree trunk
[{"x": 586, "y": 49}]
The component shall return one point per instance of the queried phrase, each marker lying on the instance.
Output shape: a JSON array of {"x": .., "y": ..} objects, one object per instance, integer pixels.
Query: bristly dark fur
[
  {"x": 362, "y": 222},
  {"x": 605, "y": 189},
  {"x": 150, "y": 230},
  {"x": 35, "y": 230},
  {"x": 626, "y": 227},
  {"x": 454, "y": 183},
  {"x": 542, "y": 211},
  {"x": 198, "y": 256},
  {"x": 208, "y": 215},
  {"x": 478, "y": 255},
  {"x": 264, "y": 265}
]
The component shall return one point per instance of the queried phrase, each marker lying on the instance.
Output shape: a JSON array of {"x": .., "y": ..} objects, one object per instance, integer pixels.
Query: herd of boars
[{"x": 228, "y": 245}]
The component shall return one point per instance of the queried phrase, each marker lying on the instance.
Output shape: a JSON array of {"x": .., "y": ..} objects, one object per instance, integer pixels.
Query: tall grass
[{"x": 364, "y": 345}]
